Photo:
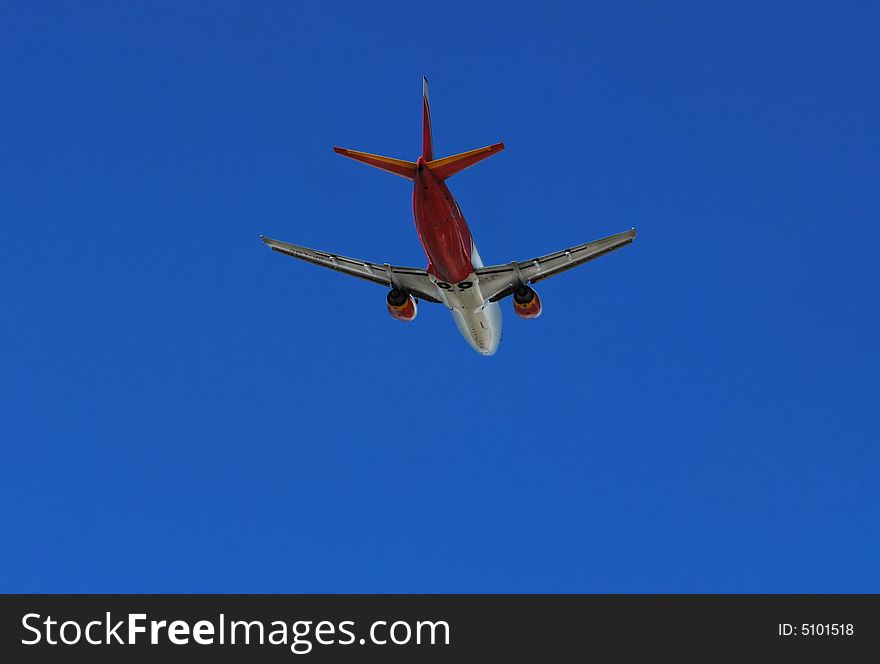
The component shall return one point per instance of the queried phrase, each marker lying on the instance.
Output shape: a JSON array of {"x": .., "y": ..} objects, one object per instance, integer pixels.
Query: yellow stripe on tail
[
  {"x": 405, "y": 169},
  {"x": 449, "y": 166}
]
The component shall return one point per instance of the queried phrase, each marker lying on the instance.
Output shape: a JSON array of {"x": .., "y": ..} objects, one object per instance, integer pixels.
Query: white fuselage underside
[{"x": 478, "y": 320}]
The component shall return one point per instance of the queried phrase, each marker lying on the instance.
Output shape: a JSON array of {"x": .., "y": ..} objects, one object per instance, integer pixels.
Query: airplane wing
[
  {"x": 410, "y": 279},
  {"x": 499, "y": 281}
]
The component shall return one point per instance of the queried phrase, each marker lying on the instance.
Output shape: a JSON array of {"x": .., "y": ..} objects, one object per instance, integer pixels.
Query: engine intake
[
  {"x": 401, "y": 305},
  {"x": 526, "y": 303}
]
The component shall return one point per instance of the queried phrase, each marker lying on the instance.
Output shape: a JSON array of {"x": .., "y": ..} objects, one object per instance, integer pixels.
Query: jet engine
[
  {"x": 401, "y": 306},
  {"x": 526, "y": 303}
]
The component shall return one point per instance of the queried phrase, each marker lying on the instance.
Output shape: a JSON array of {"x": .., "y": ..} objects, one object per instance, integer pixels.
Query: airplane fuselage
[
  {"x": 453, "y": 259},
  {"x": 455, "y": 275}
]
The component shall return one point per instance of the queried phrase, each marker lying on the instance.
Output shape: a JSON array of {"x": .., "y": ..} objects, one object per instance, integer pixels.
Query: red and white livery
[{"x": 455, "y": 275}]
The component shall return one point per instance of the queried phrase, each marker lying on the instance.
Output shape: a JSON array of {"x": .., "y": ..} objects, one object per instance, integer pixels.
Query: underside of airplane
[{"x": 455, "y": 275}]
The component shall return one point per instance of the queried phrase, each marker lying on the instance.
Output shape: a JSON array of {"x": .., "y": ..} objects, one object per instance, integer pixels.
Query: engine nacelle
[
  {"x": 401, "y": 306},
  {"x": 526, "y": 303}
]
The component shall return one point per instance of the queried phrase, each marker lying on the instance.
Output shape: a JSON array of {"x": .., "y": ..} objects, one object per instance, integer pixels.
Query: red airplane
[{"x": 455, "y": 275}]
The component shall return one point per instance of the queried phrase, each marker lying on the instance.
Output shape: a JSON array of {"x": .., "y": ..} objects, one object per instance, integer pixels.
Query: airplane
[{"x": 455, "y": 276}]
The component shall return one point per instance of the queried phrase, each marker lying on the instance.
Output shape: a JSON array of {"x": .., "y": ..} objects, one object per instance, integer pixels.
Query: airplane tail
[
  {"x": 405, "y": 169},
  {"x": 427, "y": 140},
  {"x": 441, "y": 168},
  {"x": 449, "y": 166}
]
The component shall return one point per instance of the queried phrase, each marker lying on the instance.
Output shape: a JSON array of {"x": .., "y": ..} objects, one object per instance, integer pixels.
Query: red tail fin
[
  {"x": 441, "y": 168},
  {"x": 427, "y": 141}
]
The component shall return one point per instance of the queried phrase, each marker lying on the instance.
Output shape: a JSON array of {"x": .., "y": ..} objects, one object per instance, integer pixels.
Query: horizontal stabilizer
[
  {"x": 449, "y": 166},
  {"x": 405, "y": 169}
]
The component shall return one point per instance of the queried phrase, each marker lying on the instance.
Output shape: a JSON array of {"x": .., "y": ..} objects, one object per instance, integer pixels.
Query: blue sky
[{"x": 185, "y": 411}]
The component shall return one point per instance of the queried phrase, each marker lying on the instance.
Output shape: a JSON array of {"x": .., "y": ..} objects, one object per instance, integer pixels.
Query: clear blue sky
[{"x": 183, "y": 410}]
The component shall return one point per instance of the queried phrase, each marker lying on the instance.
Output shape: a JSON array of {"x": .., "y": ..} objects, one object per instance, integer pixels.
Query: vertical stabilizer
[{"x": 427, "y": 141}]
